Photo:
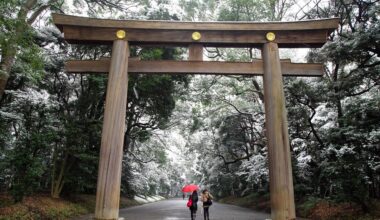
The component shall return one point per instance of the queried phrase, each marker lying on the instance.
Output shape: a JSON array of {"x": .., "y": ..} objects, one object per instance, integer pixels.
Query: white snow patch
[
  {"x": 147, "y": 199},
  {"x": 345, "y": 150},
  {"x": 150, "y": 199},
  {"x": 10, "y": 115},
  {"x": 140, "y": 200}
]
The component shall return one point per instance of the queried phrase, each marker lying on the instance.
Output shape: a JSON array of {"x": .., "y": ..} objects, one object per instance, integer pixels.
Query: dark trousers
[
  {"x": 193, "y": 213},
  {"x": 206, "y": 214}
]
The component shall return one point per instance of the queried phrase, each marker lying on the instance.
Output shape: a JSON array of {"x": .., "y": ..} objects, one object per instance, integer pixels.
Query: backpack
[{"x": 190, "y": 202}]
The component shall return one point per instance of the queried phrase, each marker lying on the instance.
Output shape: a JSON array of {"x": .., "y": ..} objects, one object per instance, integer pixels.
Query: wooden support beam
[
  {"x": 111, "y": 150},
  {"x": 69, "y": 20},
  {"x": 285, "y": 39},
  {"x": 195, "y": 67},
  {"x": 196, "y": 52},
  {"x": 280, "y": 167},
  {"x": 83, "y": 30}
]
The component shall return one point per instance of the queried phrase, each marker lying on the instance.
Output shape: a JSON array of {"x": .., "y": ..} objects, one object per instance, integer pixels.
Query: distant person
[
  {"x": 193, "y": 208},
  {"x": 206, "y": 198},
  {"x": 183, "y": 195}
]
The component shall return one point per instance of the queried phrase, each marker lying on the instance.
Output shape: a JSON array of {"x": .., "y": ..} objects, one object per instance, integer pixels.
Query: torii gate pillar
[
  {"x": 280, "y": 167},
  {"x": 111, "y": 150}
]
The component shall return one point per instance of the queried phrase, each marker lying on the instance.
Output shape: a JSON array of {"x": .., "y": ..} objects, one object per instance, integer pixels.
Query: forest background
[{"x": 207, "y": 130}]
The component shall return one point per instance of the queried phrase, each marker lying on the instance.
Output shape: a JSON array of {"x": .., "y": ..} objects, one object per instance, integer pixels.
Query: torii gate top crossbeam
[{"x": 300, "y": 34}]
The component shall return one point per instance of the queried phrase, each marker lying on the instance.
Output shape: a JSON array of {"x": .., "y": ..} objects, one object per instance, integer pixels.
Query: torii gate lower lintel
[{"x": 268, "y": 36}]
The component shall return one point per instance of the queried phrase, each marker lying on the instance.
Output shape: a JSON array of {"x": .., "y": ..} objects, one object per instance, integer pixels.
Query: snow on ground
[{"x": 147, "y": 199}]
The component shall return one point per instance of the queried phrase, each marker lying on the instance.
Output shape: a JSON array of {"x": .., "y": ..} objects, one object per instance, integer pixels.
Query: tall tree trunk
[
  {"x": 337, "y": 91},
  {"x": 4, "y": 73},
  {"x": 9, "y": 54},
  {"x": 58, "y": 182},
  {"x": 54, "y": 162}
]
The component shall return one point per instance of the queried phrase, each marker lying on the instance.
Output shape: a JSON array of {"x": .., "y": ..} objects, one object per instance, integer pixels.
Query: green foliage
[
  {"x": 154, "y": 95},
  {"x": 255, "y": 201},
  {"x": 42, "y": 207},
  {"x": 336, "y": 117},
  {"x": 198, "y": 10},
  {"x": 196, "y": 124},
  {"x": 245, "y": 10},
  {"x": 307, "y": 206},
  {"x": 25, "y": 157},
  {"x": 83, "y": 150},
  {"x": 17, "y": 39}
]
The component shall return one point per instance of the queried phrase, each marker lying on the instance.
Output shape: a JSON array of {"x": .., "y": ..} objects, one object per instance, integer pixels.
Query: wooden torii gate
[{"x": 268, "y": 36}]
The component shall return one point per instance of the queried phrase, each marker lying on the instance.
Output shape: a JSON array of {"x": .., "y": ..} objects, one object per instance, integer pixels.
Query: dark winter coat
[{"x": 194, "y": 197}]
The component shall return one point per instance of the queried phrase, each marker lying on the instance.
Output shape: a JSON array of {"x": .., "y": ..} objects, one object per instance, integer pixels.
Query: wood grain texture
[
  {"x": 211, "y": 38},
  {"x": 195, "y": 67},
  {"x": 280, "y": 168},
  {"x": 111, "y": 151},
  {"x": 67, "y": 20},
  {"x": 195, "y": 52}
]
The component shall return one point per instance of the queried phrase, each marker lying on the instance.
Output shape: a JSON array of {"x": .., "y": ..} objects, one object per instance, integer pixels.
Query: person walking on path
[
  {"x": 206, "y": 198},
  {"x": 193, "y": 208}
]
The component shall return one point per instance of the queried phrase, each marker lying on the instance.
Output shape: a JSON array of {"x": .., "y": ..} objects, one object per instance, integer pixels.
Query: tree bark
[
  {"x": 6, "y": 65},
  {"x": 57, "y": 184}
]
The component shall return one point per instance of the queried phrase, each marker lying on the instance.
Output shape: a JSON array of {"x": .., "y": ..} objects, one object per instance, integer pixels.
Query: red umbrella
[{"x": 190, "y": 188}]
